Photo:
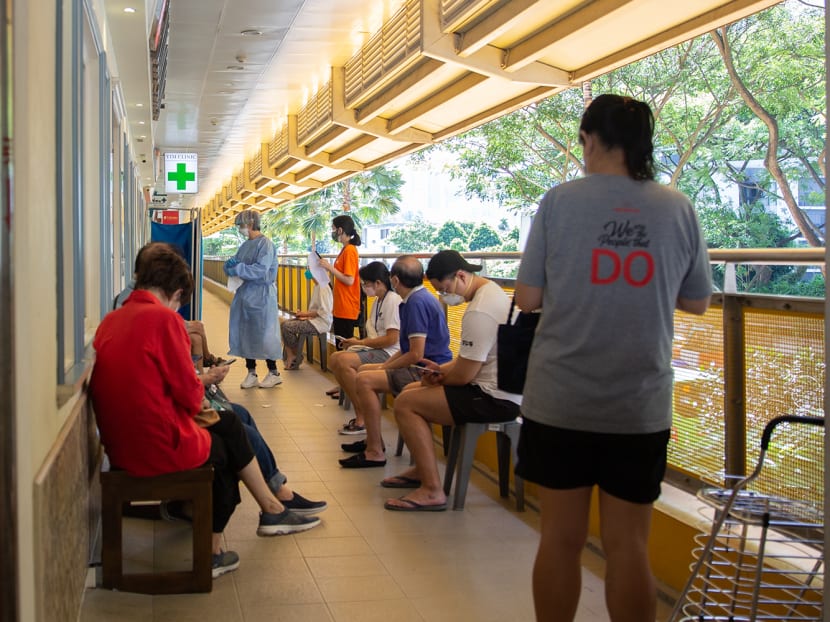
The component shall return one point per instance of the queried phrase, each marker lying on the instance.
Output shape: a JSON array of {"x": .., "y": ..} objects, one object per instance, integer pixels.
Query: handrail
[{"x": 768, "y": 256}]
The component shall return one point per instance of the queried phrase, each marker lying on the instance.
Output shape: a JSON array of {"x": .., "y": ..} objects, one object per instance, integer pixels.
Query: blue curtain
[{"x": 181, "y": 237}]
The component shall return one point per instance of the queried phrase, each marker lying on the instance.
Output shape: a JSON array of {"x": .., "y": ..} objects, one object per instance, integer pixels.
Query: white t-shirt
[
  {"x": 321, "y": 301},
  {"x": 385, "y": 316},
  {"x": 479, "y": 328}
]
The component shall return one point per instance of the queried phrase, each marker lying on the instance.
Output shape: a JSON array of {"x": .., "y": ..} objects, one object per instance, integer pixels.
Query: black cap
[{"x": 447, "y": 262}]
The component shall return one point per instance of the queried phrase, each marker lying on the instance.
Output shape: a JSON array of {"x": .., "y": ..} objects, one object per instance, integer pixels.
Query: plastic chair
[
  {"x": 463, "y": 445},
  {"x": 309, "y": 345}
]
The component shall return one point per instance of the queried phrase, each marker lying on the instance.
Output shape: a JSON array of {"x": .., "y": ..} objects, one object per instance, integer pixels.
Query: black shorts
[
  {"x": 469, "y": 403},
  {"x": 343, "y": 327},
  {"x": 627, "y": 466}
]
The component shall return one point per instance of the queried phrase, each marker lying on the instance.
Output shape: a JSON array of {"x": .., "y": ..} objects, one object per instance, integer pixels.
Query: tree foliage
[
  {"x": 750, "y": 92},
  {"x": 368, "y": 197}
]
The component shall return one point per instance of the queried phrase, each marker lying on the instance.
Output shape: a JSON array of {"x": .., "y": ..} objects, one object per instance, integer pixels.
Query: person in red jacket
[{"x": 146, "y": 395}]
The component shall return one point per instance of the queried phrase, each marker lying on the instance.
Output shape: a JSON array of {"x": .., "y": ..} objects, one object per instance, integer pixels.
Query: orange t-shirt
[{"x": 347, "y": 297}]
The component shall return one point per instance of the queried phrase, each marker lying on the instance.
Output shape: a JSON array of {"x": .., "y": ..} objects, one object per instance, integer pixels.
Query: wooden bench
[{"x": 119, "y": 489}]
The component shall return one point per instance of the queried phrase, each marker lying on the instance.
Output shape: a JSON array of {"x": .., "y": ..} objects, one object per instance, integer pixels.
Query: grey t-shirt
[{"x": 612, "y": 255}]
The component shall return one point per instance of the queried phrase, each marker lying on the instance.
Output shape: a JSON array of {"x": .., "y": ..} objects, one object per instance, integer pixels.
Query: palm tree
[{"x": 367, "y": 197}]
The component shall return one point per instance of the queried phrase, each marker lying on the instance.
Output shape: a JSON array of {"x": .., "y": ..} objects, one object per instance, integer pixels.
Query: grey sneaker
[
  {"x": 224, "y": 562},
  {"x": 284, "y": 523},
  {"x": 305, "y": 507}
]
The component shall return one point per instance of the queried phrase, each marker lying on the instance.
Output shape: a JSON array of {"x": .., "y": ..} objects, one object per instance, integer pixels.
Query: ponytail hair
[
  {"x": 626, "y": 123},
  {"x": 346, "y": 223},
  {"x": 376, "y": 271}
]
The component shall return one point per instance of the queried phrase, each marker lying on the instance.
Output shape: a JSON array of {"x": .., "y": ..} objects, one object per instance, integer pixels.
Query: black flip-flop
[
  {"x": 355, "y": 447},
  {"x": 403, "y": 482},
  {"x": 359, "y": 461},
  {"x": 334, "y": 391},
  {"x": 414, "y": 506}
]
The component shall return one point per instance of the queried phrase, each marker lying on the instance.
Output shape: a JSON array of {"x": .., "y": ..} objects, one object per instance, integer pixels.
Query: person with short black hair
[
  {"x": 147, "y": 396},
  {"x": 609, "y": 258},
  {"x": 460, "y": 391}
]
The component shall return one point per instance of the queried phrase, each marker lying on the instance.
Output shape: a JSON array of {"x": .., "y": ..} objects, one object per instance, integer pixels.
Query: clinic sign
[{"x": 180, "y": 173}]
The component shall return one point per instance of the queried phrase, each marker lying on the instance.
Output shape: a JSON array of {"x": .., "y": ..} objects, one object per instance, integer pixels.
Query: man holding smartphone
[
  {"x": 423, "y": 335},
  {"x": 457, "y": 392}
]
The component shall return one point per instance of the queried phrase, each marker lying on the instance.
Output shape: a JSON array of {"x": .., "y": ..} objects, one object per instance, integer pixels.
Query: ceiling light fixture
[
  {"x": 129, "y": 9},
  {"x": 139, "y": 105},
  {"x": 251, "y": 32},
  {"x": 235, "y": 68}
]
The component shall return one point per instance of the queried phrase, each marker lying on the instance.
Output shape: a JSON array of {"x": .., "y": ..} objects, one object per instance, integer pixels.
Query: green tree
[
  {"x": 448, "y": 232},
  {"x": 458, "y": 245},
  {"x": 368, "y": 197},
  {"x": 415, "y": 237},
  {"x": 484, "y": 237}
]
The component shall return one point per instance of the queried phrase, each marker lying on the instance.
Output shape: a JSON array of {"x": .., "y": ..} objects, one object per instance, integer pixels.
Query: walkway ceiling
[{"x": 281, "y": 98}]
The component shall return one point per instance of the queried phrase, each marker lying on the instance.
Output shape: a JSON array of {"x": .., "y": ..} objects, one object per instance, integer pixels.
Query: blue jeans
[{"x": 264, "y": 456}]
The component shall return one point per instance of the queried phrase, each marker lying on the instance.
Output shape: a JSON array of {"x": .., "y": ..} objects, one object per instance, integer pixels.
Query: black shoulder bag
[{"x": 513, "y": 349}]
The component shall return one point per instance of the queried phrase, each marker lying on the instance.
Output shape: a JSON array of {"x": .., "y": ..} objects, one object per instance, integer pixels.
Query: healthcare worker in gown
[{"x": 254, "y": 326}]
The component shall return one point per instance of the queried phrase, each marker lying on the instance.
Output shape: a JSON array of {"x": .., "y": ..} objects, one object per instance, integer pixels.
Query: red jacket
[{"x": 145, "y": 390}]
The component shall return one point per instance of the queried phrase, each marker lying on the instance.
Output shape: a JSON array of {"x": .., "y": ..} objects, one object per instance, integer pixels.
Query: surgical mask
[
  {"x": 243, "y": 231},
  {"x": 335, "y": 236},
  {"x": 308, "y": 275},
  {"x": 451, "y": 299}
]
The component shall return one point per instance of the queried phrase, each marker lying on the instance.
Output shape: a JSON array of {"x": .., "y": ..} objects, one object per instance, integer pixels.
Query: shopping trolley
[{"x": 764, "y": 557}]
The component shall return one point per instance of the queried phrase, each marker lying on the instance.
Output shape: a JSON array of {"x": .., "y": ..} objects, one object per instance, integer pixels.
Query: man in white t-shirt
[{"x": 463, "y": 390}]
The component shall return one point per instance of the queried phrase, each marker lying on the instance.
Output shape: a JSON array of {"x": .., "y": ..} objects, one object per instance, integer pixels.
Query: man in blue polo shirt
[{"x": 424, "y": 335}]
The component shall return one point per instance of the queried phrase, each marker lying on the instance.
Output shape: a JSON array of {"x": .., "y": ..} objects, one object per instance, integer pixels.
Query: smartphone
[
  {"x": 424, "y": 370},
  {"x": 228, "y": 362}
]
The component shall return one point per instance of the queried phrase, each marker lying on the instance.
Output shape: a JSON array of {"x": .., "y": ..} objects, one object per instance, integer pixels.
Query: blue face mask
[{"x": 308, "y": 274}]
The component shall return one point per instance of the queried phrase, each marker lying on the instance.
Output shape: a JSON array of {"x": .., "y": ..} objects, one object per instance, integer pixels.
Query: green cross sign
[
  {"x": 181, "y": 173},
  {"x": 181, "y": 176}
]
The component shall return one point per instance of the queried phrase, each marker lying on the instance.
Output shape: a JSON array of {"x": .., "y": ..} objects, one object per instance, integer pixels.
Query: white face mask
[
  {"x": 451, "y": 299},
  {"x": 243, "y": 231}
]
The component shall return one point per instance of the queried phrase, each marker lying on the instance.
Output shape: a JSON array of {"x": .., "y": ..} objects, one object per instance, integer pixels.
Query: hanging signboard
[{"x": 180, "y": 173}]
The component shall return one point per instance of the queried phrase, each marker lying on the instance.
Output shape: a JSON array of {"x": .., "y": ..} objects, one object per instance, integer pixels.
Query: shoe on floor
[
  {"x": 305, "y": 507},
  {"x": 250, "y": 381},
  {"x": 271, "y": 380},
  {"x": 360, "y": 461},
  {"x": 351, "y": 428},
  {"x": 224, "y": 562},
  {"x": 284, "y": 523}
]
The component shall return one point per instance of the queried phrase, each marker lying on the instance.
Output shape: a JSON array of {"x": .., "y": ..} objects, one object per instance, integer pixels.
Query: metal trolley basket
[{"x": 764, "y": 557}]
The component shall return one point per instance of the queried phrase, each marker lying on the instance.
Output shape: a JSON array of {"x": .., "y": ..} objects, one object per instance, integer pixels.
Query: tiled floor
[{"x": 363, "y": 563}]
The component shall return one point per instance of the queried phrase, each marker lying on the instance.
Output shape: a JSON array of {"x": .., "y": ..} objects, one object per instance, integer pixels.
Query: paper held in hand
[{"x": 234, "y": 283}]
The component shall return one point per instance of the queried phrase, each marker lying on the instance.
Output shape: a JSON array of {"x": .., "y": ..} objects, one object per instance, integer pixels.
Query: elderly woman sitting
[{"x": 146, "y": 396}]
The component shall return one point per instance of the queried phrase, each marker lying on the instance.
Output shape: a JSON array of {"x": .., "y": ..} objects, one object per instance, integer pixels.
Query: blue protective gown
[{"x": 254, "y": 331}]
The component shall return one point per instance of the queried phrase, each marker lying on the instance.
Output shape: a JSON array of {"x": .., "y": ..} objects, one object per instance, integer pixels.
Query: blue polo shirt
[{"x": 422, "y": 316}]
